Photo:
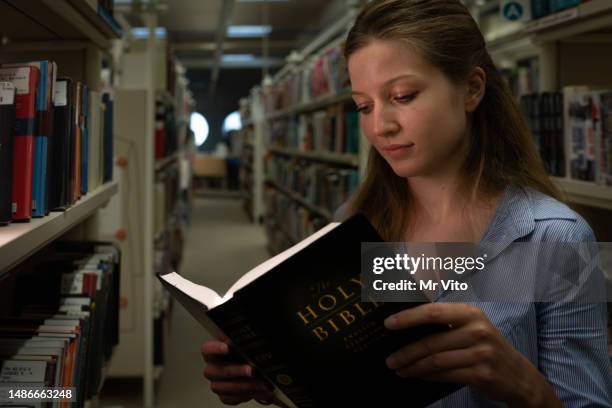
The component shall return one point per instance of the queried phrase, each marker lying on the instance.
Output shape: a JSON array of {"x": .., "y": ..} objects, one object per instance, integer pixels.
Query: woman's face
[{"x": 409, "y": 111}]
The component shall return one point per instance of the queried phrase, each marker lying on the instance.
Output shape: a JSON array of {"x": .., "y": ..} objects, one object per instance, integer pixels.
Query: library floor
[{"x": 221, "y": 245}]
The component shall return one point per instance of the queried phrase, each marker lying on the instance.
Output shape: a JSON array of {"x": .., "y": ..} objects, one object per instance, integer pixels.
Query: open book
[{"x": 299, "y": 319}]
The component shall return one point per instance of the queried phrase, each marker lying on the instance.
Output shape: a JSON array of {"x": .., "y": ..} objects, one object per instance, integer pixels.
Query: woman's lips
[{"x": 397, "y": 150}]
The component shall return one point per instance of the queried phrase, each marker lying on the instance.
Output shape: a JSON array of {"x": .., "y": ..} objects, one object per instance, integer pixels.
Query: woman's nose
[{"x": 384, "y": 122}]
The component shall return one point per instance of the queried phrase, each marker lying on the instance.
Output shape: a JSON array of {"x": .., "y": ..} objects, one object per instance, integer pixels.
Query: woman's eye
[
  {"x": 406, "y": 98},
  {"x": 363, "y": 109}
]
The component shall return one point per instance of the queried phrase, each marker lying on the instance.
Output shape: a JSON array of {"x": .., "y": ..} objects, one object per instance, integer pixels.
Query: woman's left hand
[{"x": 473, "y": 352}]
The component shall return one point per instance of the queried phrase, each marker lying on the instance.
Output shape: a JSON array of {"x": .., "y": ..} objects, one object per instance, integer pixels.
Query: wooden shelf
[
  {"x": 316, "y": 104},
  {"x": 51, "y": 20},
  {"x": 585, "y": 193},
  {"x": 301, "y": 200},
  {"x": 20, "y": 240},
  {"x": 346, "y": 159},
  {"x": 594, "y": 15}
]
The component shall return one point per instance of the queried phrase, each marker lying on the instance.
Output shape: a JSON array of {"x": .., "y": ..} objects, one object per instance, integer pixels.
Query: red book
[{"x": 26, "y": 81}]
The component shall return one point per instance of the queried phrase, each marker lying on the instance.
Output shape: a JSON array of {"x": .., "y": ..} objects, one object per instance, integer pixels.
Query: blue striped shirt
[{"x": 567, "y": 342}]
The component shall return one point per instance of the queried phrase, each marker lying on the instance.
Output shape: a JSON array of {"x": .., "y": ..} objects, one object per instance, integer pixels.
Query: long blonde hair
[{"x": 446, "y": 35}]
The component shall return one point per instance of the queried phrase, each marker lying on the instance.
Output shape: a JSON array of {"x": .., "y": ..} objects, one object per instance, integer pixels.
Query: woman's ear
[{"x": 475, "y": 89}]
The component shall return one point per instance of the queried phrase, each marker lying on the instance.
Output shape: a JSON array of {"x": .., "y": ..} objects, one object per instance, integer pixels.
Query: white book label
[
  {"x": 61, "y": 90},
  {"x": 19, "y": 77},
  {"x": 7, "y": 93}
]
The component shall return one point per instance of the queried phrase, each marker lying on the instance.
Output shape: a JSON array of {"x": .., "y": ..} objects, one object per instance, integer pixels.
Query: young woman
[{"x": 453, "y": 160}]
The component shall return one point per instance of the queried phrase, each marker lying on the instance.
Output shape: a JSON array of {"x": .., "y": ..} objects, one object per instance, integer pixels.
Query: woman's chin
[{"x": 404, "y": 171}]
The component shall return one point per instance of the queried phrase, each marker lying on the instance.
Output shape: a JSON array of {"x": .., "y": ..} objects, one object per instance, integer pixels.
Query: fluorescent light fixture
[
  {"x": 143, "y": 32},
  {"x": 246, "y": 31},
  {"x": 237, "y": 57}
]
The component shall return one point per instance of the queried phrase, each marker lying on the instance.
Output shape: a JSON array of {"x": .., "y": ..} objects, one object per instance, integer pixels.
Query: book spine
[
  {"x": 7, "y": 125},
  {"x": 256, "y": 348}
]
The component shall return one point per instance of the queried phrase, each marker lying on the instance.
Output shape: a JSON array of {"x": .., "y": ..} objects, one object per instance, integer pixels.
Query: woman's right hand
[{"x": 232, "y": 379}]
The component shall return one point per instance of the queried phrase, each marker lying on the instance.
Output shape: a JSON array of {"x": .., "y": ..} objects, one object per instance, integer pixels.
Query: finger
[
  {"x": 440, "y": 362},
  {"x": 453, "y": 339},
  {"x": 468, "y": 375},
  {"x": 211, "y": 349},
  {"x": 455, "y": 314},
  {"x": 227, "y": 371},
  {"x": 238, "y": 387}
]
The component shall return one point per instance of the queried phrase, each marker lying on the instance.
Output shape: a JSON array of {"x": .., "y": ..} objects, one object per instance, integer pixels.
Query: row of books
[
  {"x": 64, "y": 321},
  {"x": 323, "y": 75},
  {"x": 333, "y": 130},
  {"x": 573, "y": 132},
  {"x": 166, "y": 135},
  {"x": 324, "y": 186},
  {"x": 524, "y": 78},
  {"x": 56, "y": 140},
  {"x": 287, "y": 222},
  {"x": 542, "y": 8}
]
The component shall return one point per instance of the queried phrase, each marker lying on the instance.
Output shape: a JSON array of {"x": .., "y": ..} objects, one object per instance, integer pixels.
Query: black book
[
  {"x": 7, "y": 130},
  {"x": 300, "y": 320},
  {"x": 59, "y": 176}
]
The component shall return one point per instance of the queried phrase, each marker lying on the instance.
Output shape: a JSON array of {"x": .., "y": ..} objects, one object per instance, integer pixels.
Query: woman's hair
[{"x": 501, "y": 151}]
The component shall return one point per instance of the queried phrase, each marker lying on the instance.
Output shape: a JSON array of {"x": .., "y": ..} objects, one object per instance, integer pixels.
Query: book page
[
  {"x": 261, "y": 269},
  {"x": 206, "y": 296}
]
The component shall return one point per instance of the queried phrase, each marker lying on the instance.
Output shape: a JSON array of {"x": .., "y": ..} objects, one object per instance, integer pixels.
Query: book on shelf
[
  {"x": 42, "y": 133},
  {"x": 25, "y": 80},
  {"x": 59, "y": 191},
  {"x": 64, "y": 316},
  {"x": 299, "y": 319},
  {"x": 7, "y": 130},
  {"x": 84, "y": 120},
  {"x": 107, "y": 101}
]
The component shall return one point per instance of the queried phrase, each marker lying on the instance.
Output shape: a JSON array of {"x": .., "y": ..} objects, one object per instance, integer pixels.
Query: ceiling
[{"x": 194, "y": 26}]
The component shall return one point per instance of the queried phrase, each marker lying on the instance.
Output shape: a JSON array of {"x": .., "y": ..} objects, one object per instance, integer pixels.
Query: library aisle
[{"x": 221, "y": 245}]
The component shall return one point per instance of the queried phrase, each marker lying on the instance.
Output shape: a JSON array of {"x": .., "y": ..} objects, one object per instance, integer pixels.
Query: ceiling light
[
  {"x": 237, "y": 57},
  {"x": 247, "y": 31},
  {"x": 143, "y": 32}
]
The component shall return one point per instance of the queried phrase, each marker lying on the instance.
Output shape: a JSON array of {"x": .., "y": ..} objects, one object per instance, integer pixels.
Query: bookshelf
[
  {"x": 344, "y": 159},
  {"x": 52, "y": 20},
  {"x": 573, "y": 47},
  {"x": 76, "y": 34},
  {"x": 302, "y": 122},
  {"x": 152, "y": 106},
  {"x": 19, "y": 241}
]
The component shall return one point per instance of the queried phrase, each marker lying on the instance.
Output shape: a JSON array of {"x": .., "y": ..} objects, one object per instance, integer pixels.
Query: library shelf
[
  {"x": 346, "y": 159},
  {"x": 39, "y": 20},
  {"x": 585, "y": 192},
  {"x": 20, "y": 240},
  {"x": 316, "y": 104},
  {"x": 301, "y": 200},
  {"x": 593, "y": 15}
]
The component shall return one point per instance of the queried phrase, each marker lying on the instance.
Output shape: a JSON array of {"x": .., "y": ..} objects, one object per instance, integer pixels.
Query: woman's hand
[
  {"x": 473, "y": 352},
  {"x": 233, "y": 380}
]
